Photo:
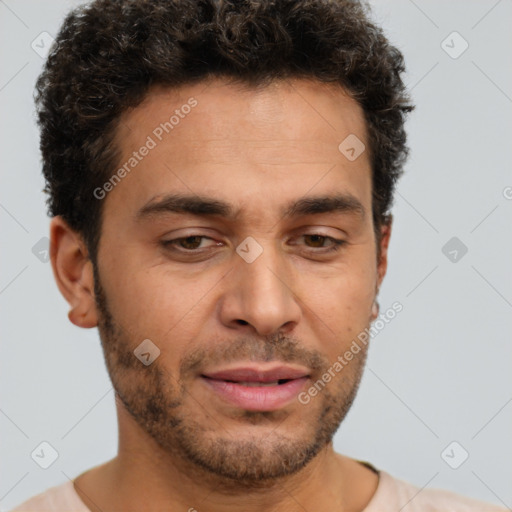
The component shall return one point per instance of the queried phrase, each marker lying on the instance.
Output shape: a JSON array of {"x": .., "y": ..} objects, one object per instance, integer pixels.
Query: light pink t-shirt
[{"x": 392, "y": 495}]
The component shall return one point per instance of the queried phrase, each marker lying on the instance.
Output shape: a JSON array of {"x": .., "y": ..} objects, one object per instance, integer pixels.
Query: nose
[{"x": 260, "y": 295}]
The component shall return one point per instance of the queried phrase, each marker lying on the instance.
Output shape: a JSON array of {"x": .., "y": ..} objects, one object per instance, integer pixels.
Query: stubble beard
[{"x": 161, "y": 405}]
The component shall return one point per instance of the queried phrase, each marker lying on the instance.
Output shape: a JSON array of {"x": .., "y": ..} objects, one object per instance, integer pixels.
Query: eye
[
  {"x": 188, "y": 243},
  {"x": 317, "y": 242},
  {"x": 194, "y": 243}
]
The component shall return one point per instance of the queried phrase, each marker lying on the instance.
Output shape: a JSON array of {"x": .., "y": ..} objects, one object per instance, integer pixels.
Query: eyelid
[
  {"x": 203, "y": 234},
  {"x": 173, "y": 244},
  {"x": 335, "y": 244},
  {"x": 324, "y": 230}
]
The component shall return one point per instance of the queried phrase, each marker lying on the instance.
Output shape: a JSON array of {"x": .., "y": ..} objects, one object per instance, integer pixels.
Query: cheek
[
  {"x": 344, "y": 288},
  {"x": 156, "y": 303},
  {"x": 341, "y": 303}
]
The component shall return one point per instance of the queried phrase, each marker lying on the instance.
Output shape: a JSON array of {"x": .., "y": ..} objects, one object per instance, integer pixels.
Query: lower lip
[{"x": 257, "y": 398}]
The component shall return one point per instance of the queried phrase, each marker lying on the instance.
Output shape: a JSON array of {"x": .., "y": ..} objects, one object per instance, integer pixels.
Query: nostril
[{"x": 242, "y": 322}]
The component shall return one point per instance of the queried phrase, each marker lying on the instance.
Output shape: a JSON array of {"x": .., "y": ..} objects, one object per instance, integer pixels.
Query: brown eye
[
  {"x": 190, "y": 242},
  {"x": 317, "y": 240},
  {"x": 193, "y": 243},
  {"x": 320, "y": 244}
]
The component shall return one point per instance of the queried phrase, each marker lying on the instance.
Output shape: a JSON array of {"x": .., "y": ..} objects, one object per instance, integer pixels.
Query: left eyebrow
[
  {"x": 209, "y": 207},
  {"x": 337, "y": 203}
]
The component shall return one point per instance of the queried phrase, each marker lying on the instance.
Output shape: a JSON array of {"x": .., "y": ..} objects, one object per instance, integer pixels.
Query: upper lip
[{"x": 258, "y": 373}]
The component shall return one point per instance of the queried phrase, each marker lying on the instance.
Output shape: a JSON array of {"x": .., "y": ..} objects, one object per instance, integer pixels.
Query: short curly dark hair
[{"x": 110, "y": 52}]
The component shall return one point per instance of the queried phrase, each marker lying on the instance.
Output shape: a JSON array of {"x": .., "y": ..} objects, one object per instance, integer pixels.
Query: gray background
[{"x": 439, "y": 372}]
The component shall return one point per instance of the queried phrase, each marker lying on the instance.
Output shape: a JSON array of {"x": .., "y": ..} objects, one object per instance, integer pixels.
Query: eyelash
[{"x": 172, "y": 244}]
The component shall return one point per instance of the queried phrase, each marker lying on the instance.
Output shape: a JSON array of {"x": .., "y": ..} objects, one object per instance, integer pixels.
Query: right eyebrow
[{"x": 192, "y": 204}]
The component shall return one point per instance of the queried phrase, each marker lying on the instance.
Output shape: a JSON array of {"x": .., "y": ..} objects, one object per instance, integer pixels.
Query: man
[{"x": 220, "y": 177}]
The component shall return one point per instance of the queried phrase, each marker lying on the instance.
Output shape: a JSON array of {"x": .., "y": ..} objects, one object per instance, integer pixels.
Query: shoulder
[
  {"x": 60, "y": 498},
  {"x": 394, "y": 494}
]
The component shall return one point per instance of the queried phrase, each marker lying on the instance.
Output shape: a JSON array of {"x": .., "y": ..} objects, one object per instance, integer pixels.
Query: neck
[
  {"x": 319, "y": 484},
  {"x": 145, "y": 477}
]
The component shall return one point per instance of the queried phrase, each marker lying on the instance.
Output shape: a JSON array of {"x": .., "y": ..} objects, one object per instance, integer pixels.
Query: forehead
[
  {"x": 245, "y": 145},
  {"x": 306, "y": 109}
]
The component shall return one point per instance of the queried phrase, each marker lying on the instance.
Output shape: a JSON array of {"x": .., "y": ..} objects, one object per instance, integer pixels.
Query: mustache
[{"x": 273, "y": 348}]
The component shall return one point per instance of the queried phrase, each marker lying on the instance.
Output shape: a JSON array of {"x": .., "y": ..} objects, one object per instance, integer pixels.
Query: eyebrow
[{"x": 210, "y": 207}]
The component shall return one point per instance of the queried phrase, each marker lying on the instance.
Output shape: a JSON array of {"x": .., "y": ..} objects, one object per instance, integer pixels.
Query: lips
[
  {"x": 257, "y": 388},
  {"x": 253, "y": 374}
]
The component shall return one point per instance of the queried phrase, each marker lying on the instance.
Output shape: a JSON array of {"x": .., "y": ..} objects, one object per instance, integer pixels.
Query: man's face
[{"x": 241, "y": 298}]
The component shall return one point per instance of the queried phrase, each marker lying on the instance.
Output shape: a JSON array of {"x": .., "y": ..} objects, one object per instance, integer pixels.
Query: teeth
[{"x": 258, "y": 384}]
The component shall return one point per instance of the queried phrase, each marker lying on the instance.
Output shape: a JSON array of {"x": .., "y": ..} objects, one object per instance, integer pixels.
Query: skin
[{"x": 258, "y": 150}]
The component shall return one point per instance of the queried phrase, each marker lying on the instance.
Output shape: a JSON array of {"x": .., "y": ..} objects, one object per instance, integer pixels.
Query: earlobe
[
  {"x": 73, "y": 272},
  {"x": 375, "y": 310}
]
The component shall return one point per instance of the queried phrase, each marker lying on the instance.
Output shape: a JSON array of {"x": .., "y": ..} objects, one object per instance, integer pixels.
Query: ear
[
  {"x": 73, "y": 272},
  {"x": 382, "y": 260}
]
